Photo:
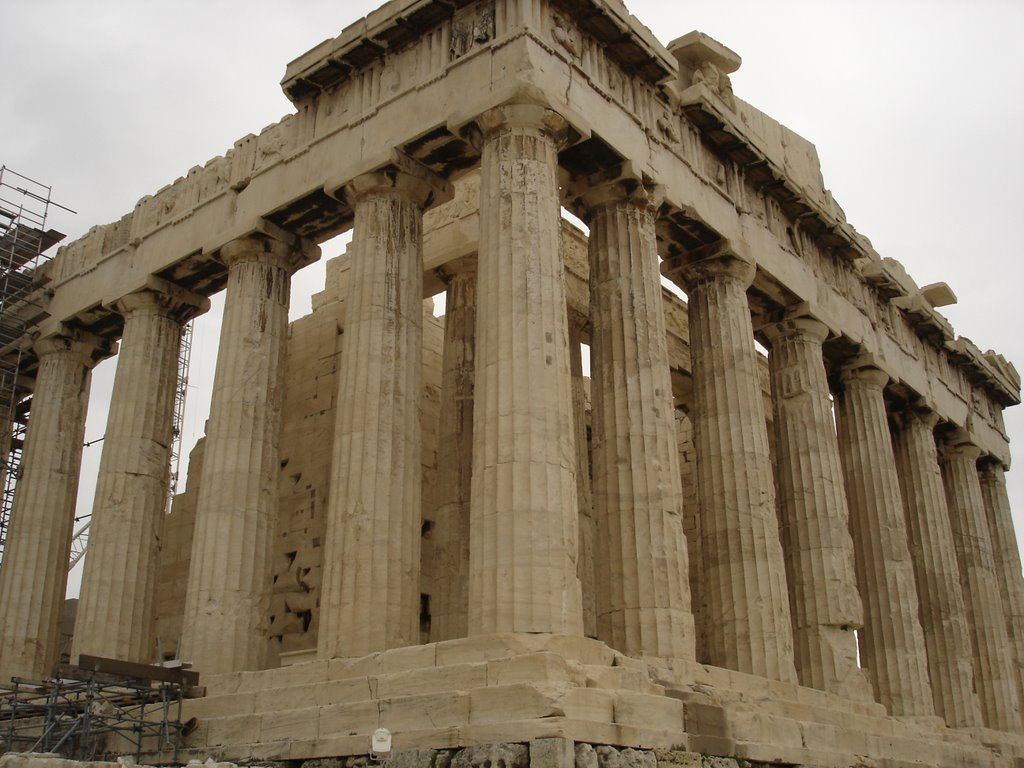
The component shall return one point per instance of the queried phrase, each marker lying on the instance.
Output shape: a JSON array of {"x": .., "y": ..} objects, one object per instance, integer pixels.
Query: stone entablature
[{"x": 727, "y": 169}]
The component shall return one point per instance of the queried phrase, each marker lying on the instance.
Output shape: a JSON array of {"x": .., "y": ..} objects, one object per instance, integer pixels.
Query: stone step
[
  {"x": 739, "y": 723},
  {"x": 464, "y": 692},
  {"x": 469, "y": 692}
]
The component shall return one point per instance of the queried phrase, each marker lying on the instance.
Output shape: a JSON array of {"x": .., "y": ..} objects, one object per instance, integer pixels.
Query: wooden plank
[{"x": 138, "y": 671}]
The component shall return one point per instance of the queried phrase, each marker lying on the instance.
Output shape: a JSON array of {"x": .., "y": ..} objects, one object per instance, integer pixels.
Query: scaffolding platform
[
  {"x": 24, "y": 240},
  {"x": 97, "y": 709}
]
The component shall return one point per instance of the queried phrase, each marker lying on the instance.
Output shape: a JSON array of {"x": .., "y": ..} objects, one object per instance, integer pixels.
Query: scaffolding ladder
[
  {"x": 24, "y": 238},
  {"x": 180, "y": 393}
]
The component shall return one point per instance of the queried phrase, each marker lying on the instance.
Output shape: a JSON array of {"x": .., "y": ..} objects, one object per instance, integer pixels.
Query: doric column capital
[
  {"x": 865, "y": 374},
  {"x": 390, "y": 183},
  {"x": 290, "y": 256},
  {"x": 393, "y": 175},
  {"x": 465, "y": 265},
  {"x": 525, "y": 115},
  {"x": 957, "y": 444},
  {"x": 89, "y": 349},
  {"x": 917, "y": 415},
  {"x": 163, "y": 298},
  {"x": 586, "y": 196},
  {"x": 990, "y": 466},
  {"x": 717, "y": 261},
  {"x": 796, "y": 327}
]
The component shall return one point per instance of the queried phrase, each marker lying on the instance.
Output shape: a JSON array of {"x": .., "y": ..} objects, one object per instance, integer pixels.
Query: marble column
[
  {"x": 35, "y": 568},
  {"x": 228, "y": 595},
  {"x": 748, "y": 625},
  {"x": 823, "y": 596},
  {"x": 524, "y": 526},
  {"x": 995, "y": 677},
  {"x": 1007, "y": 558},
  {"x": 370, "y": 597},
  {"x": 455, "y": 454},
  {"x": 115, "y": 611},
  {"x": 892, "y": 640},
  {"x": 587, "y": 527},
  {"x": 642, "y": 586},
  {"x": 942, "y": 613}
]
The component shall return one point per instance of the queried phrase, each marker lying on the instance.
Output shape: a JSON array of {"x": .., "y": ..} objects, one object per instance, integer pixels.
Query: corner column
[
  {"x": 228, "y": 595},
  {"x": 994, "y": 675},
  {"x": 35, "y": 566},
  {"x": 370, "y": 596},
  {"x": 943, "y": 616},
  {"x": 642, "y": 586},
  {"x": 455, "y": 453},
  {"x": 816, "y": 539},
  {"x": 747, "y": 605},
  {"x": 1007, "y": 558},
  {"x": 892, "y": 639},
  {"x": 524, "y": 527},
  {"x": 115, "y": 612}
]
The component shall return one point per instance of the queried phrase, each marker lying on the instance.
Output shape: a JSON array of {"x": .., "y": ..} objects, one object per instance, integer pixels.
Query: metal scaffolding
[
  {"x": 99, "y": 708},
  {"x": 180, "y": 393},
  {"x": 24, "y": 238}
]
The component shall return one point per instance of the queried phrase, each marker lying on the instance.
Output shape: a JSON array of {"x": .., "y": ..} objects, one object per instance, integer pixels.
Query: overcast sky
[{"x": 916, "y": 108}]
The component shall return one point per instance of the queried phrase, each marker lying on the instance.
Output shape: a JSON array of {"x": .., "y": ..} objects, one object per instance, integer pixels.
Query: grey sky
[{"x": 915, "y": 107}]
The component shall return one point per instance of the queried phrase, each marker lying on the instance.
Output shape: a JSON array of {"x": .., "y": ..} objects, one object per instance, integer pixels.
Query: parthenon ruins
[{"x": 708, "y": 482}]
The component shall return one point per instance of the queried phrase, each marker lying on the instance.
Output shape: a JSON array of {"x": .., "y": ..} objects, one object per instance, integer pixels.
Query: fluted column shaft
[
  {"x": 585, "y": 567},
  {"x": 825, "y": 604},
  {"x": 115, "y": 612},
  {"x": 892, "y": 639},
  {"x": 370, "y": 598},
  {"x": 747, "y": 606},
  {"x": 1007, "y": 559},
  {"x": 455, "y": 457},
  {"x": 523, "y": 531},
  {"x": 228, "y": 596},
  {"x": 35, "y": 568},
  {"x": 943, "y": 616},
  {"x": 642, "y": 587},
  {"x": 994, "y": 675}
]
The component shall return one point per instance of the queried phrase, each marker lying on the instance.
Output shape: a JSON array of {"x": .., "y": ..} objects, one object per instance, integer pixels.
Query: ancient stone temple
[{"x": 711, "y": 480}]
